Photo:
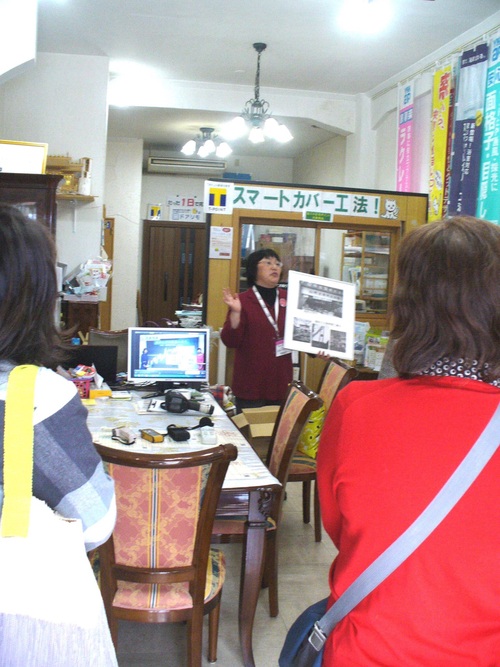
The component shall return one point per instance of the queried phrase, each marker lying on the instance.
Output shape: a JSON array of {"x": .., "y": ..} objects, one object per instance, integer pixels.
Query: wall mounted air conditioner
[{"x": 188, "y": 166}]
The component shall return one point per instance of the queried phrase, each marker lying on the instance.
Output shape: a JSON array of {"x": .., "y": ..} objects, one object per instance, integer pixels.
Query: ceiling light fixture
[
  {"x": 256, "y": 119},
  {"x": 205, "y": 144}
]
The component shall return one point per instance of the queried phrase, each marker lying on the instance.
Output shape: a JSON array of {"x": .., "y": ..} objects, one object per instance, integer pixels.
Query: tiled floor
[{"x": 303, "y": 569}]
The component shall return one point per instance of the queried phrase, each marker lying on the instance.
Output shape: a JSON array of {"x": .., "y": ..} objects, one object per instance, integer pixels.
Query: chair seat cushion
[
  {"x": 302, "y": 464},
  {"x": 159, "y": 597}
]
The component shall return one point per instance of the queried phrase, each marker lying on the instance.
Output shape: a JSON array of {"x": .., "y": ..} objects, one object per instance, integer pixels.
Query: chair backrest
[
  {"x": 163, "y": 322},
  {"x": 165, "y": 512},
  {"x": 118, "y": 338},
  {"x": 335, "y": 377},
  {"x": 299, "y": 402}
]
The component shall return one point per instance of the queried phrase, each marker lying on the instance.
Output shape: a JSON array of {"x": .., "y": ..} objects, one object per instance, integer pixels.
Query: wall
[
  {"x": 157, "y": 187},
  {"x": 323, "y": 165},
  {"x": 123, "y": 197},
  {"x": 385, "y": 152},
  {"x": 62, "y": 100}
]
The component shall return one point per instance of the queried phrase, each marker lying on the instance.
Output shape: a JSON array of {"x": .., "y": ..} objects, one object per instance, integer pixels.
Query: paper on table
[{"x": 238, "y": 470}]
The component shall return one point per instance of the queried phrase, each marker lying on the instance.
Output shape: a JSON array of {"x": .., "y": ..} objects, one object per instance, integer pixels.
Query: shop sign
[{"x": 222, "y": 197}]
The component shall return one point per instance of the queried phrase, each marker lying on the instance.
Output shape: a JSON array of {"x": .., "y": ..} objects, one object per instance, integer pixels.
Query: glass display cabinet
[{"x": 33, "y": 194}]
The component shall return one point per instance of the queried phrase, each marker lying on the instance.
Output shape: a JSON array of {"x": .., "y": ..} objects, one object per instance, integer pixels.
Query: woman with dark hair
[
  {"x": 68, "y": 473},
  {"x": 255, "y": 326},
  {"x": 389, "y": 446}
]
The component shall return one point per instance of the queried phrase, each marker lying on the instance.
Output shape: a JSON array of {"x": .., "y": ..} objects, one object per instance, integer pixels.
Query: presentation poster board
[
  {"x": 22, "y": 157},
  {"x": 320, "y": 315}
]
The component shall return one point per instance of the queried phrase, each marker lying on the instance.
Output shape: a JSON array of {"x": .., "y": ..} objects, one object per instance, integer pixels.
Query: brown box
[{"x": 257, "y": 426}]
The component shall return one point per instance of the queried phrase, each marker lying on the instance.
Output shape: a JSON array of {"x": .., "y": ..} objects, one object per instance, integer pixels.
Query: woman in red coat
[
  {"x": 255, "y": 326},
  {"x": 389, "y": 446}
]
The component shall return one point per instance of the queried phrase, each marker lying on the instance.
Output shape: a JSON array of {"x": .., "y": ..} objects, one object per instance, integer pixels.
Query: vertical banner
[
  {"x": 405, "y": 138},
  {"x": 446, "y": 196},
  {"x": 468, "y": 131},
  {"x": 440, "y": 119},
  {"x": 488, "y": 205}
]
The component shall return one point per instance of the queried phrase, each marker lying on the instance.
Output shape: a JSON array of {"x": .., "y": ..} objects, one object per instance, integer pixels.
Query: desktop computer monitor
[{"x": 170, "y": 357}]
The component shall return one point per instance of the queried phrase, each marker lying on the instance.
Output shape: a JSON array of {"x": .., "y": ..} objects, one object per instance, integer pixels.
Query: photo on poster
[{"x": 320, "y": 315}]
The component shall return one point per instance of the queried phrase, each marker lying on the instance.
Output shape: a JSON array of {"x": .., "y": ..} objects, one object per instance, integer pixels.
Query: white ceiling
[{"x": 211, "y": 41}]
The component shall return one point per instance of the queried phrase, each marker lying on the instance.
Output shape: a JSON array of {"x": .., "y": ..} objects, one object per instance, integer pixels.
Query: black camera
[{"x": 177, "y": 402}]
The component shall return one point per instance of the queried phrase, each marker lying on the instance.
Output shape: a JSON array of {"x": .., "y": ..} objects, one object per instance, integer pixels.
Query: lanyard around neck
[{"x": 263, "y": 305}]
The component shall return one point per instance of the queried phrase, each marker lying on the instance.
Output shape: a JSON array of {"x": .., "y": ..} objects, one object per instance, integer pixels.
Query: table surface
[
  {"x": 105, "y": 414},
  {"x": 248, "y": 488}
]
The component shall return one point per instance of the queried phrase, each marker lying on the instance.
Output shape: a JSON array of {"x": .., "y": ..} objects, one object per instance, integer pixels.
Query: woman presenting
[{"x": 254, "y": 327}]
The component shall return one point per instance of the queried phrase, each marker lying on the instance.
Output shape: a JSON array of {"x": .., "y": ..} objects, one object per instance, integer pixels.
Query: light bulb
[
  {"x": 271, "y": 127},
  {"x": 202, "y": 151},
  {"x": 209, "y": 146},
  {"x": 235, "y": 129},
  {"x": 223, "y": 150},
  {"x": 189, "y": 147},
  {"x": 256, "y": 135},
  {"x": 283, "y": 134}
]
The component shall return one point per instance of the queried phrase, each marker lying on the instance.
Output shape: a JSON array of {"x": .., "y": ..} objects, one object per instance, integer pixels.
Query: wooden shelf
[{"x": 65, "y": 196}]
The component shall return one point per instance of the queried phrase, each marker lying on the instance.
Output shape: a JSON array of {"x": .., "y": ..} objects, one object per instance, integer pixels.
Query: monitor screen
[{"x": 172, "y": 357}]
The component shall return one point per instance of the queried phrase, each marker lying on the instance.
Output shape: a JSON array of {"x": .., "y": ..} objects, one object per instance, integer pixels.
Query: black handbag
[{"x": 306, "y": 638}]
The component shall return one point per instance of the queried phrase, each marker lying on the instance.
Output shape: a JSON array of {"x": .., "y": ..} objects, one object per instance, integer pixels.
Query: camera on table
[{"x": 178, "y": 403}]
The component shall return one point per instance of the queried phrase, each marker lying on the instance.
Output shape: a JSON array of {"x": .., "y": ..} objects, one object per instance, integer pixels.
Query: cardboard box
[{"x": 257, "y": 426}]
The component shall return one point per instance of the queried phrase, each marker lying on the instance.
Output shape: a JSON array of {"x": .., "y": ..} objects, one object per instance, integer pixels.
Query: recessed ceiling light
[{"x": 365, "y": 17}]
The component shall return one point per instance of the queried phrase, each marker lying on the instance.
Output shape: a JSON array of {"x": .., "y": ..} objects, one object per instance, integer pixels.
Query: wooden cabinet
[
  {"x": 365, "y": 262},
  {"x": 174, "y": 265},
  {"x": 80, "y": 315},
  {"x": 33, "y": 194}
]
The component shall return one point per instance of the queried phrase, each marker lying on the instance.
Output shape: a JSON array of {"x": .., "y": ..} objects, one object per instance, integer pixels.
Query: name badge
[{"x": 281, "y": 350}]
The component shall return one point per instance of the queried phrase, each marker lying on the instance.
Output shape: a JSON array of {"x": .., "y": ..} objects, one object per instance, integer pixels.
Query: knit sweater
[{"x": 68, "y": 473}]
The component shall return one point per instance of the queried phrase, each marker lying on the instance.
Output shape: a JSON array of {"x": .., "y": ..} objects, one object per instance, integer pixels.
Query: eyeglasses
[{"x": 267, "y": 262}]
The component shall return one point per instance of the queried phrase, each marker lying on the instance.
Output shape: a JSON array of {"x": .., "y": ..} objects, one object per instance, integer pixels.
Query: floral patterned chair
[{"x": 158, "y": 566}]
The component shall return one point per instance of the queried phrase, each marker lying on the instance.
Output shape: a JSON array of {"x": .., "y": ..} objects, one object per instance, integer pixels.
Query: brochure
[{"x": 320, "y": 315}]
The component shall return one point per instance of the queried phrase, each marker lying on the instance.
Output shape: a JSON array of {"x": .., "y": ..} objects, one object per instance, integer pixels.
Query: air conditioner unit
[{"x": 179, "y": 165}]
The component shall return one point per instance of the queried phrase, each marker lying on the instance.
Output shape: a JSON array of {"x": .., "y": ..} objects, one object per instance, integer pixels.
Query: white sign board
[{"x": 320, "y": 315}]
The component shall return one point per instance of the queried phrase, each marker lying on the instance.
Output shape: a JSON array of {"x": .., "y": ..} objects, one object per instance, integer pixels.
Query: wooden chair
[
  {"x": 119, "y": 338},
  {"x": 163, "y": 322},
  {"x": 296, "y": 408},
  {"x": 303, "y": 467},
  {"x": 158, "y": 566}
]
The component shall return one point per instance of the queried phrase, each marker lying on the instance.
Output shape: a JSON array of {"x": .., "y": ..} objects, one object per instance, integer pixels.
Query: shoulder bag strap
[
  {"x": 422, "y": 527},
  {"x": 18, "y": 451}
]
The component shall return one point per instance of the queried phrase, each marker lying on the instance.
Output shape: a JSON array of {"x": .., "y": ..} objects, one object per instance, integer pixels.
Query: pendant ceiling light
[
  {"x": 256, "y": 119},
  {"x": 205, "y": 144}
]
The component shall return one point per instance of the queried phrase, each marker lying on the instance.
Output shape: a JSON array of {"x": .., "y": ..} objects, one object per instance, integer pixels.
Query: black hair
[
  {"x": 28, "y": 292},
  {"x": 253, "y": 259}
]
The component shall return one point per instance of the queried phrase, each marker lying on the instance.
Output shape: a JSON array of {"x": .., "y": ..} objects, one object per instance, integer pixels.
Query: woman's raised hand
[{"x": 231, "y": 300}]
